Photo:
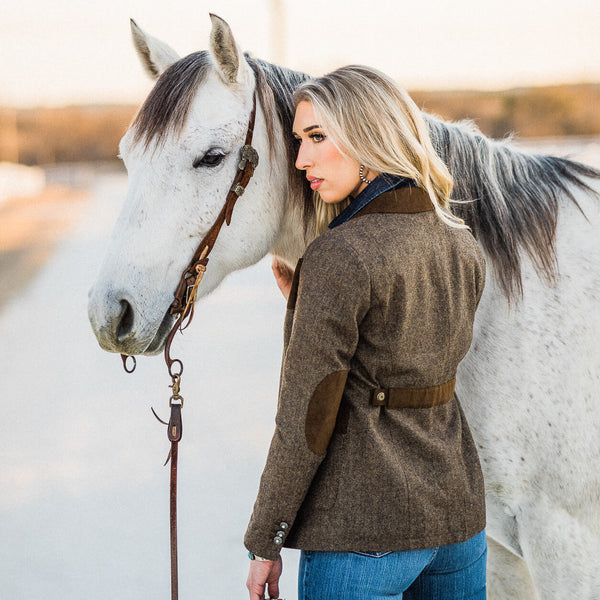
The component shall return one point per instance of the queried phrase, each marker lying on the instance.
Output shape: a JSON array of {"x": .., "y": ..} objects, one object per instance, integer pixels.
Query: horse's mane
[
  {"x": 508, "y": 197},
  {"x": 275, "y": 87},
  {"x": 512, "y": 197}
]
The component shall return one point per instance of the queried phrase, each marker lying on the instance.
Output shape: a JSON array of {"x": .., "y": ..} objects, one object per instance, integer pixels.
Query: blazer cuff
[{"x": 267, "y": 546}]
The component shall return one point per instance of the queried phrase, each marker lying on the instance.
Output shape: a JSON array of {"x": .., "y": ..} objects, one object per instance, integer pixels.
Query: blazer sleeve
[{"x": 333, "y": 297}]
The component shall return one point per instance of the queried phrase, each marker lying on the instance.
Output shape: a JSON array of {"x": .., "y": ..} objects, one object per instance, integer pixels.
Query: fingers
[
  {"x": 280, "y": 268},
  {"x": 273, "y": 590},
  {"x": 257, "y": 592},
  {"x": 255, "y": 588},
  {"x": 273, "y": 586},
  {"x": 273, "y": 579},
  {"x": 258, "y": 576},
  {"x": 283, "y": 276},
  {"x": 262, "y": 575}
]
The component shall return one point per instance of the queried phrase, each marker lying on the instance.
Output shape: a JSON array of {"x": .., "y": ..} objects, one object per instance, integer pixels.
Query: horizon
[{"x": 117, "y": 104}]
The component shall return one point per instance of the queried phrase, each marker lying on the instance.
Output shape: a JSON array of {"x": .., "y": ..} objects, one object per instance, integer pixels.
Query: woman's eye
[
  {"x": 211, "y": 159},
  {"x": 317, "y": 137}
]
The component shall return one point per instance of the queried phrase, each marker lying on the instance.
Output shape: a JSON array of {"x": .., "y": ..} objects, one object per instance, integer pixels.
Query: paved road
[{"x": 83, "y": 494}]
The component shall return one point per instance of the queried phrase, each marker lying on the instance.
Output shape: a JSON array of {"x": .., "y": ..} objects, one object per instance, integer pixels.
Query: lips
[{"x": 315, "y": 182}]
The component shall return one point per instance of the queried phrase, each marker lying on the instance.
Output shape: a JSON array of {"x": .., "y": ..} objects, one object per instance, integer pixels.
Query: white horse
[{"x": 530, "y": 384}]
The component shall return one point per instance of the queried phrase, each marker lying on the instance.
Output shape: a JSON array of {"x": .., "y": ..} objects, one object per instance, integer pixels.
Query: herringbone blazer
[{"x": 371, "y": 449}]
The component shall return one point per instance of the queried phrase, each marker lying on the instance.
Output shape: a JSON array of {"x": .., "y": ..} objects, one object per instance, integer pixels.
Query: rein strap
[{"x": 183, "y": 308}]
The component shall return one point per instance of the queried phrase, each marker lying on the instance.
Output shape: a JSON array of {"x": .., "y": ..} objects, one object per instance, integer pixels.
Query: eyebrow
[{"x": 307, "y": 129}]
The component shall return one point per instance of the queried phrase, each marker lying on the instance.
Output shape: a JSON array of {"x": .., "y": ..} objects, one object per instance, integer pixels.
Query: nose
[
  {"x": 124, "y": 322},
  {"x": 113, "y": 319},
  {"x": 304, "y": 158}
]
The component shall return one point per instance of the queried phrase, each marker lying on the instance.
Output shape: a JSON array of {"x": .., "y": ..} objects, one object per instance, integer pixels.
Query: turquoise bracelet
[{"x": 253, "y": 556}]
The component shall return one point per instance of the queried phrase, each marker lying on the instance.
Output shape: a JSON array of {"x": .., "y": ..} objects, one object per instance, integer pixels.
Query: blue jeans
[{"x": 454, "y": 572}]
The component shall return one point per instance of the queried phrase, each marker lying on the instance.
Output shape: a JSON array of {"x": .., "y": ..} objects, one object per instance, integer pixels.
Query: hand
[
  {"x": 283, "y": 276},
  {"x": 264, "y": 572}
]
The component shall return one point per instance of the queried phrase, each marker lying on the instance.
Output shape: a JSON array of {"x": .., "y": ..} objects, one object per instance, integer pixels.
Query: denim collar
[{"x": 381, "y": 184}]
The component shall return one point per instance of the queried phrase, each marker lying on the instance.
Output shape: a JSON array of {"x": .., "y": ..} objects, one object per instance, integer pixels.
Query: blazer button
[
  {"x": 283, "y": 525},
  {"x": 381, "y": 396},
  {"x": 277, "y": 540},
  {"x": 280, "y": 534}
]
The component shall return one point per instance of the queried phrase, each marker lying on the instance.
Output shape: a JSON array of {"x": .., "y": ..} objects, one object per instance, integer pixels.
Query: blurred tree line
[
  {"x": 39, "y": 136},
  {"x": 90, "y": 133},
  {"x": 552, "y": 111}
]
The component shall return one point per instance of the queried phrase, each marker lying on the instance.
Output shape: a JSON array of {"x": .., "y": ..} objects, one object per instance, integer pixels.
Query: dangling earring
[{"x": 362, "y": 177}]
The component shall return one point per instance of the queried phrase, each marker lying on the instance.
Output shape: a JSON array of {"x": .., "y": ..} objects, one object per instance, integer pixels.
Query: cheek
[
  {"x": 347, "y": 175},
  {"x": 340, "y": 164},
  {"x": 330, "y": 154}
]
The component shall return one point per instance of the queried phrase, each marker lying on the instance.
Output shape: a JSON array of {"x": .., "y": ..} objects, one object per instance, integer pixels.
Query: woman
[{"x": 372, "y": 471}]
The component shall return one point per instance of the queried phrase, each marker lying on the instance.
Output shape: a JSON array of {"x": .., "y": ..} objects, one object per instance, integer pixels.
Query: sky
[{"x": 64, "y": 52}]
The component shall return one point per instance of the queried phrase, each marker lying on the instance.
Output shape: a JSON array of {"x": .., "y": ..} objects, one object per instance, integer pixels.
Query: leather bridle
[{"x": 182, "y": 307}]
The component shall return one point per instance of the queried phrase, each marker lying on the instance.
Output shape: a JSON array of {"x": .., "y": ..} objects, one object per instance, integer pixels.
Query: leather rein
[{"x": 182, "y": 307}]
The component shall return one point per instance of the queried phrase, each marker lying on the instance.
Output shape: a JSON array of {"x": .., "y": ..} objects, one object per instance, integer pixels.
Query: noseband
[{"x": 182, "y": 307}]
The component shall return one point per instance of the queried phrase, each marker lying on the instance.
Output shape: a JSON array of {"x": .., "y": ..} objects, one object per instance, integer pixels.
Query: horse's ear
[
  {"x": 155, "y": 55},
  {"x": 229, "y": 60}
]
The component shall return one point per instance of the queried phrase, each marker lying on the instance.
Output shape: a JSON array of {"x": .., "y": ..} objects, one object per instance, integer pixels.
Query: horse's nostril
[{"x": 125, "y": 325}]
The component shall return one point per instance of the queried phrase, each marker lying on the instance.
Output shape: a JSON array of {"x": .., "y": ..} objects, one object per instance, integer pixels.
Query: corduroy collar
[{"x": 386, "y": 194}]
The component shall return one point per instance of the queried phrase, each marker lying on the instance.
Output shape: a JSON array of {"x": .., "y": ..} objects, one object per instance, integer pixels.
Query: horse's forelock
[{"x": 168, "y": 104}]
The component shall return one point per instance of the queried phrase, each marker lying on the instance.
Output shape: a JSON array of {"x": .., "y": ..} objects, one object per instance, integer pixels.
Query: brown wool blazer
[{"x": 371, "y": 450}]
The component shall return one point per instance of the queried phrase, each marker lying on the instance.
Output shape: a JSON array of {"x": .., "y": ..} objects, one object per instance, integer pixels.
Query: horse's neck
[{"x": 286, "y": 201}]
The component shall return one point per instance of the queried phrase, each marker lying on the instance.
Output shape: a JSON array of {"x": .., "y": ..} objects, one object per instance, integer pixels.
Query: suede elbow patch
[{"x": 322, "y": 411}]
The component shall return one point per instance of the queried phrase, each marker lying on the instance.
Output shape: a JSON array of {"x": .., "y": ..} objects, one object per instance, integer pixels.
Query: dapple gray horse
[{"x": 530, "y": 384}]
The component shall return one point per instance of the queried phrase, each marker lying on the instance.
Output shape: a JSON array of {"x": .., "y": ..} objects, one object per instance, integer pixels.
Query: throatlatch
[{"x": 183, "y": 308}]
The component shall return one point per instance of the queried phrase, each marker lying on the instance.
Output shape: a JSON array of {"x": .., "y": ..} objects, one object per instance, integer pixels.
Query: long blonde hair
[{"x": 375, "y": 122}]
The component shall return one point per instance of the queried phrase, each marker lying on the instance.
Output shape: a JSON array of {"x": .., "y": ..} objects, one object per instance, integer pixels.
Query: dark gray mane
[
  {"x": 512, "y": 196},
  {"x": 167, "y": 106},
  {"x": 275, "y": 87}
]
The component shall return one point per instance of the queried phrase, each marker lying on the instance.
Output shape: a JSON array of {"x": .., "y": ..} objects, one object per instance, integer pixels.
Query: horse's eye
[{"x": 211, "y": 159}]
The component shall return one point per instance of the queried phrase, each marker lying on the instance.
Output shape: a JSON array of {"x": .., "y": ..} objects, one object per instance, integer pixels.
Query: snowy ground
[{"x": 83, "y": 494}]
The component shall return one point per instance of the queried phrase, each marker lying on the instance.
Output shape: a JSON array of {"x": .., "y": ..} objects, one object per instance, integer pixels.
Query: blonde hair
[{"x": 375, "y": 122}]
